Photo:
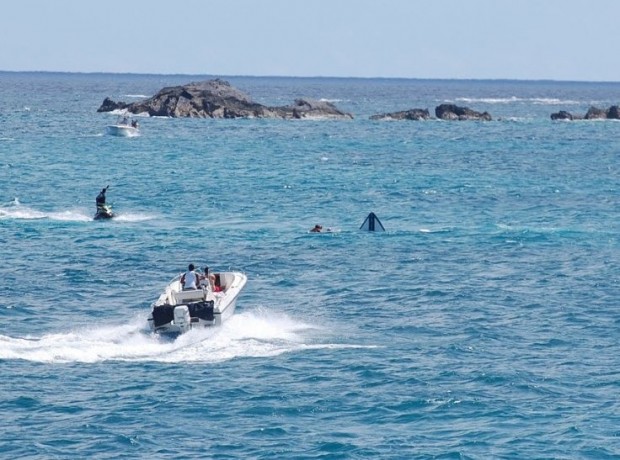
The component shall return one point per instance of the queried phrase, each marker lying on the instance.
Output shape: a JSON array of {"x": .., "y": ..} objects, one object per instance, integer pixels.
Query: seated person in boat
[
  {"x": 212, "y": 281},
  {"x": 207, "y": 279},
  {"x": 217, "y": 283},
  {"x": 190, "y": 279}
]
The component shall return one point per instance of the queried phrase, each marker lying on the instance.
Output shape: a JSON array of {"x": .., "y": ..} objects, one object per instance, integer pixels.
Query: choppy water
[{"x": 482, "y": 324}]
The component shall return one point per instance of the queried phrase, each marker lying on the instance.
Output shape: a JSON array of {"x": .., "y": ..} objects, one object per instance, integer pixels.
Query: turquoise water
[{"x": 482, "y": 324}]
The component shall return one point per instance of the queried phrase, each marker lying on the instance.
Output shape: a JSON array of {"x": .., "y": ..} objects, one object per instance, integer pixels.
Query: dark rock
[
  {"x": 454, "y": 112},
  {"x": 412, "y": 114},
  {"x": 613, "y": 113},
  {"x": 109, "y": 105},
  {"x": 595, "y": 113},
  {"x": 308, "y": 108},
  {"x": 218, "y": 99},
  {"x": 562, "y": 115}
]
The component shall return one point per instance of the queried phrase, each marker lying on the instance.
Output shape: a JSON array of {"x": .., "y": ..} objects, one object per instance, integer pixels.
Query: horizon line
[{"x": 502, "y": 79}]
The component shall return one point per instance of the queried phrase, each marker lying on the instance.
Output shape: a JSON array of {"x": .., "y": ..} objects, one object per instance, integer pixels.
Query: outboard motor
[{"x": 182, "y": 319}]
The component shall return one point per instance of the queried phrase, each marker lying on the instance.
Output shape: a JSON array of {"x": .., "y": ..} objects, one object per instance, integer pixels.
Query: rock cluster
[
  {"x": 593, "y": 113},
  {"x": 454, "y": 112},
  {"x": 443, "y": 112},
  {"x": 218, "y": 99},
  {"x": 413, "y": 114}
]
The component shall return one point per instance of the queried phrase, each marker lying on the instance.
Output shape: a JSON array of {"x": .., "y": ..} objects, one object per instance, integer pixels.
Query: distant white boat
[{"x": 124, "y": 128}]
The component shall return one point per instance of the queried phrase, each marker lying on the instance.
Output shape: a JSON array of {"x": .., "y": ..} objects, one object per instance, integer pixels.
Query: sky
[{"x": 458, "y": 39}]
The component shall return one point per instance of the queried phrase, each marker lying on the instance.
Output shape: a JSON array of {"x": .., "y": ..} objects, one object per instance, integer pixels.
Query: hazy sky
[{"x": 516, "y": 39}]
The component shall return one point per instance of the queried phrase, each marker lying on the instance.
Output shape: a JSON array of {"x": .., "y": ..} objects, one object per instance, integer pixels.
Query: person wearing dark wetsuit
[{"x": 100, "y": 200}]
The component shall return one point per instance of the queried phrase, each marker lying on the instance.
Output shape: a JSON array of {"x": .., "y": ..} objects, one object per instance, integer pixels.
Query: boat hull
[{"x": 123, "y": 131}]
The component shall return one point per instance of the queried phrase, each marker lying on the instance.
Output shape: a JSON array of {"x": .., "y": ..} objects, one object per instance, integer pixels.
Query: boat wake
[
  {"x": 18, "y": 211},
  {"x": 256, "y": 333},
  {"x": 133, "y": 217}
]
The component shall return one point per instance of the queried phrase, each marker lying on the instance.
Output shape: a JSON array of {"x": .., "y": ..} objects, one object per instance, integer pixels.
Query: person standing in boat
[
  {"x": 190, "y": 279},
  {"x": 100, "y": 200}
]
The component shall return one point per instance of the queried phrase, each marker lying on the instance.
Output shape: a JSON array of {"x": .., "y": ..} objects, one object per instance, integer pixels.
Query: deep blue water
[{"x": 482, "y": 324}]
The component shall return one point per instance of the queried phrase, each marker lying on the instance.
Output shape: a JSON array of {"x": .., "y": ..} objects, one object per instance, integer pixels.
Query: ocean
[{"x": 483, "y": 323}]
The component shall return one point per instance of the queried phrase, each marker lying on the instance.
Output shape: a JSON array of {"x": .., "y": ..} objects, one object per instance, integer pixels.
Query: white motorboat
[
  {"x": 124, "y": 128},
  {"x": 177, "y": 311}
]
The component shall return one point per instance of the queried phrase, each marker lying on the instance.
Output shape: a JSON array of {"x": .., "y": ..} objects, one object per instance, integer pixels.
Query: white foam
[
  {"x": 513, "y": 99},
  {"x": 133, "y": 217},
  {"x": 256, "y": 333},
  {"x": 125, "y": 112},
  {"x": 17, "y": 211}
]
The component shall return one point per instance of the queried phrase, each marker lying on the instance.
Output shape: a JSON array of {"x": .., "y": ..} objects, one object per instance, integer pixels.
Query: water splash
[
  {"x": 256, "y": 333},
  {"x": 20, "y": 212}
]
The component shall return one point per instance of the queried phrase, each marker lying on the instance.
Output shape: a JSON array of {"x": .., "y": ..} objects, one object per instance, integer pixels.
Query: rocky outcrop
[
  {"x": 562, "y": 115},
  {"x": 613, "y": 113},
  {"x": 443, "y": 112},
  {"x": 413, "y": 114},
  {"x": 218, "y": 99},
  {"x": 593, "y": 113},
  {"x": 308, "y": 108},
  {"x": 109, "y": 105},
  {"x": 454, "y": 112}
]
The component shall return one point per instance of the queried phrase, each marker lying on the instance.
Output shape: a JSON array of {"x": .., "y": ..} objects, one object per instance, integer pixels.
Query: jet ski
[{"x": 104, "y": 212}]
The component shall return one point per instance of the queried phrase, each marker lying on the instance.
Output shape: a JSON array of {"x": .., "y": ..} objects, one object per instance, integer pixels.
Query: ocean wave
[
  {"x": 126, "y": 113},
  {"x": 514, "y": 99}
]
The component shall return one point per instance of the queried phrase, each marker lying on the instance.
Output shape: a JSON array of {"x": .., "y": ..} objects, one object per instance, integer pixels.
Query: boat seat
[{"x": 184, "y": 297}]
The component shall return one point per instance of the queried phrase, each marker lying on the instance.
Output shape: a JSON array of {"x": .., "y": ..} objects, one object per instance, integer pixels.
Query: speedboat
[
  {"x": 104, "y": 212},
  {"x": 177, "y": 311},
  {"x": 124, "y": 128}
]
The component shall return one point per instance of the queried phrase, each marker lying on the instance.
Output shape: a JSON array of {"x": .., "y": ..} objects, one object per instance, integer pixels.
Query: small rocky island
[
  {"x": 411, "y": 114},
  {"x": 443, "y": 112},
  {"x": 218, "y": 99},
  {"x": 593, "y": 113}
]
